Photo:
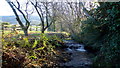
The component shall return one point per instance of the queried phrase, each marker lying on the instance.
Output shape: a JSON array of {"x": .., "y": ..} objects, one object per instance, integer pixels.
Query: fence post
[
  {"x": 2, "y": 30},
  {"x": 36, "y": 28},
  {"x": 30, "y": 28}
]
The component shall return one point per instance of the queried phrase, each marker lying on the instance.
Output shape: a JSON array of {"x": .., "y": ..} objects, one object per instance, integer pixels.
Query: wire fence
[{"x": 18, "y": 28}]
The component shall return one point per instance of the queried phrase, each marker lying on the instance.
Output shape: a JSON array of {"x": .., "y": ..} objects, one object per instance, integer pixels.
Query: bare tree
[
  {"x": 44, "y": 12},
  {"x": 16, "y": 6}
]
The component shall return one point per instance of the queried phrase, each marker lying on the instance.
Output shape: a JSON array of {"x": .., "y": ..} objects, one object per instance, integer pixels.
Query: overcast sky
[{"x": 5, "y": 9}]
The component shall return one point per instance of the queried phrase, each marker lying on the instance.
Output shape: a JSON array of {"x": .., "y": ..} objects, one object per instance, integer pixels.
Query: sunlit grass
[
  {"x": 33, "y": 33},
  {"x": 6, "y": 32}
]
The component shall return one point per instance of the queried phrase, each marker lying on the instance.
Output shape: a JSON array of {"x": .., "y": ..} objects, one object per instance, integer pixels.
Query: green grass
[
  {"x": 8, "y": 33},
  {"x": 32, "y": 32}
]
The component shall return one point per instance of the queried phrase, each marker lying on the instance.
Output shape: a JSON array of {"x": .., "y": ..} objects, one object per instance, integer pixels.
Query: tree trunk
[
  {"x": 25, "y": 32},
  {"x": 61, "y": 27},
  {"x": 43, "y": 30},
  {"x": 54, "y": 28}
]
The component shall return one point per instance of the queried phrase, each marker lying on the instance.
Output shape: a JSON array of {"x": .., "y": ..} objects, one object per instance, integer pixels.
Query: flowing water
[
  {"x": 79, "y": 56},
  {"x": 73, "y": 46}
]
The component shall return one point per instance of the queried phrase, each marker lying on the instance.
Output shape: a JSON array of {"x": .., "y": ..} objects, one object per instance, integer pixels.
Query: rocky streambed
[{"x": 79, "y": 56}]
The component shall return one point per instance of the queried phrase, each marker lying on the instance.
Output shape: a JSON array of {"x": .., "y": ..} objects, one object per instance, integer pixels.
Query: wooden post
[
  {"x": 2, "y": 30},
  {"x": 36, "y": 28},
  {"x": 30, "y": 28}
]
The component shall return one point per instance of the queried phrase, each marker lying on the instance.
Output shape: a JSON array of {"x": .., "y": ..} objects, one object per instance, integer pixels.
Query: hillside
[{"x": 12, "y": 20}]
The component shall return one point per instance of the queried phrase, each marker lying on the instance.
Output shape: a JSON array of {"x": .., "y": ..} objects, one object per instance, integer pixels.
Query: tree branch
[{"x": 15, "y": 12}]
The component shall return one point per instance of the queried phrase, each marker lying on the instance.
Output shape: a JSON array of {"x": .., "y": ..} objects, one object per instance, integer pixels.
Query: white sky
[{"x": 5, "y": 9}]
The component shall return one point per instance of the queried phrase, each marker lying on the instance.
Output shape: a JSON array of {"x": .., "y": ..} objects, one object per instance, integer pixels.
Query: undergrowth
[{"x": 25, "y": 51}]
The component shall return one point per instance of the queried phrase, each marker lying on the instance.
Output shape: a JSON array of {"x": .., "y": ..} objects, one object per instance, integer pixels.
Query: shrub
[{"x": 103, "y": 34}]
